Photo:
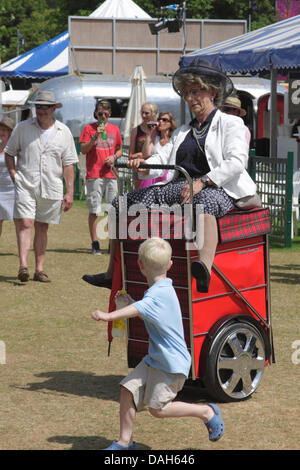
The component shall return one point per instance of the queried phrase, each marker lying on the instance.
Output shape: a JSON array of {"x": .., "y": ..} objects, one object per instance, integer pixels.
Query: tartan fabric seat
[{"x": 236, "y": 225}]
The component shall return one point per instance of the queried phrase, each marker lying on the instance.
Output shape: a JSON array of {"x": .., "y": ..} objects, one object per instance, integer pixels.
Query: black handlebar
[
  {"x": 163, "y": 167},
  {"x": 150, "y": 167}
]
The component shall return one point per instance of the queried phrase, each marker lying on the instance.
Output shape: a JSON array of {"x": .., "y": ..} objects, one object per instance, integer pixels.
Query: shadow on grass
[
  {"x": 12, "y": 280},
  {"x": 66, "y": 250},
  {"x": 60, "y": 250},
  {"x": 193, "y": 392},
  {"x": 85, "y": 251},
  {"x": 104, "y": 387},
  {"x": 281, "y": 274},
  {"x": 78, "y": 383},
  {"x": 87, "y": 442}
]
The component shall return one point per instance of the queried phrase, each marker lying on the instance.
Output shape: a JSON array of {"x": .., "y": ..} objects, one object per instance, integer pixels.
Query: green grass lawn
[{"x": 59, "y": 388}]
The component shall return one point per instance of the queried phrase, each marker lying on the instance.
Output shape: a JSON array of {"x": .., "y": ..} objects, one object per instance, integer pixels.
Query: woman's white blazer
[{"x": 226, "y": 150}]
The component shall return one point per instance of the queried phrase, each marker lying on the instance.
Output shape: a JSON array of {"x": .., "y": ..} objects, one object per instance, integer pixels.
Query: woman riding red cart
[
  {"x": 213, "y": 150},
  {"x": 223, "y": 287}
]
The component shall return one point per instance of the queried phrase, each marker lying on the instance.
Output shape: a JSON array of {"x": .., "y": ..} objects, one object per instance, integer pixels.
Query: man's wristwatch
[
  {"x": 205, "y": 180},
  {"x": 94, "y": 137}
]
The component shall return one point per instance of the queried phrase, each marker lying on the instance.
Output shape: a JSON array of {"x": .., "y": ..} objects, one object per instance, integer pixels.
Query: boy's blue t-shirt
[{"x": 161, "y": 313}]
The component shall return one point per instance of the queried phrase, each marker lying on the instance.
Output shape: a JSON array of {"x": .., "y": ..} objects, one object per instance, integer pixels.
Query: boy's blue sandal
[
  {"x": 115, "y": 446},
  {"x": 215, "y": 425}
]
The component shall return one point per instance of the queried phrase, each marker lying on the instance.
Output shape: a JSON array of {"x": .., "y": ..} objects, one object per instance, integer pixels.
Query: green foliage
[
  {"x": 29, "y": 18},
  {"x": 37, "y": 21}
]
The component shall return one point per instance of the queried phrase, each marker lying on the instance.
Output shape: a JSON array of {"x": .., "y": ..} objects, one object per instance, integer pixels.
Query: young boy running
[{"x": 157, "y": 379}]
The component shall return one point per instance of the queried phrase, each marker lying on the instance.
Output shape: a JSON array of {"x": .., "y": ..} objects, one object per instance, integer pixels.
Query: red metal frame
[{"x": 239, "y": 286}]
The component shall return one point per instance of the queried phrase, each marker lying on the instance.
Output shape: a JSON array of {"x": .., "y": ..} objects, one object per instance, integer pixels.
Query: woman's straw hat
[
  {"x": 233, "y": 102},
  {"x": 7, "y": 122}
]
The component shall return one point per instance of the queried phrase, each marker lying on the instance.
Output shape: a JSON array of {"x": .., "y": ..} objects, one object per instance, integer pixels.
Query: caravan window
[{"x": 118, "y": 106}]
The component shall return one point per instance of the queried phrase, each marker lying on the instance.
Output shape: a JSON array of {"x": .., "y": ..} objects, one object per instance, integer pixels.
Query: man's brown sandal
[
  {"x": 23, "y": 275},
  {"x": 41, "y": 277}
]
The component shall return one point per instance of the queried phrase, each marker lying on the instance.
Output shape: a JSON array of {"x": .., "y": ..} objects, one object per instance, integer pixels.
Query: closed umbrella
[{"x": 136, "y": 100}]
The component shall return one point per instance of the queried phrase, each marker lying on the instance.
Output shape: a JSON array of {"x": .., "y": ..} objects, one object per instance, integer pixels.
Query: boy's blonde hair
[{"x": 155, "y": 255}]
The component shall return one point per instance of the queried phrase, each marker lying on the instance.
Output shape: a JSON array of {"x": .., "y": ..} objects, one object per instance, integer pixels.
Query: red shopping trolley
[{"x": 227, "y": 330}]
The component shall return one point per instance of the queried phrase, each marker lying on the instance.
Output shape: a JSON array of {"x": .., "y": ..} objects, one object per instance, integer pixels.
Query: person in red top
[{"x": 102, "y": 144}]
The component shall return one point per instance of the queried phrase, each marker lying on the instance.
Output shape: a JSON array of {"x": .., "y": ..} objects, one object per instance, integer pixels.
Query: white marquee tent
[
  {"x": 51, "y": 59},
  {"x": 45, "y": 61},
  {"x": 119, "y": 9}
]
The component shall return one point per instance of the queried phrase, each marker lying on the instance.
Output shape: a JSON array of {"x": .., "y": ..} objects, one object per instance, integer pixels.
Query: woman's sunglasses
[{"x": 164, "y": 119}]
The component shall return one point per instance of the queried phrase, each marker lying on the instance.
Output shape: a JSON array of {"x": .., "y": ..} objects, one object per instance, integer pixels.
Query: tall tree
[
  {"x": 37, "y": 21},
  {"x": 15, "y": 16}
]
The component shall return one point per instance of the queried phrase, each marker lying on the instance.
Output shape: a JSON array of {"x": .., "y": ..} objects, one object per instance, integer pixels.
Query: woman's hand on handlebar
[
  {"x": 134, "y": 156},
  {"x": 134, "y": 165},
  {"x": 198, "y": 185}
]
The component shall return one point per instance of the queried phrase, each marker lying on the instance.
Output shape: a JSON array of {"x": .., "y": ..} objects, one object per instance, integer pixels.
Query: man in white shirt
[{"x": 46, "y": 154}]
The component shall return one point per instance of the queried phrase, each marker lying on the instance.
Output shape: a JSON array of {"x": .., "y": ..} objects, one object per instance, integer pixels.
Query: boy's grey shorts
[
  {"x": 98, "y": 188},
  {"x": 152, "y": 387}
]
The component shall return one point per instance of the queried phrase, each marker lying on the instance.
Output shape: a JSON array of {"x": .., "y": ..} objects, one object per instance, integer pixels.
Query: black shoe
[
  {"x": 98, "y": 280},
  {"x": 202, "y": 276},
  {"x": 96, "y": 248}
]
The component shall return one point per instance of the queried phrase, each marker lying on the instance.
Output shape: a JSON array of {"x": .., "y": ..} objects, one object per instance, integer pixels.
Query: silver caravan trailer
[{"x": 78, "y": 94}]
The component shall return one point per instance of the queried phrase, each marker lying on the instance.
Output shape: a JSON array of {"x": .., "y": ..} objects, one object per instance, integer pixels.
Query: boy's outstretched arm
[{"x": 127, "y": 312}]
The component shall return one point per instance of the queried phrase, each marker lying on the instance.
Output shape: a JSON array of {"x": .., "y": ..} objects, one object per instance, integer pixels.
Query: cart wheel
[{"x": 235, "y": 362}]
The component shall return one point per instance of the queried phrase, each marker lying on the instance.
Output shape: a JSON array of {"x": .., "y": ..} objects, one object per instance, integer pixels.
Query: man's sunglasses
[
  {"x": 44, "y": 106},
  {"x": 102, "y": 114}
]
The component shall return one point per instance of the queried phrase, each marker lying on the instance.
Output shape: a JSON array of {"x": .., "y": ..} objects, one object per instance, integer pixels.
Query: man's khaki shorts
[
  {"x": 29, "y": 205},
  {"x": 152, "y": 387}
]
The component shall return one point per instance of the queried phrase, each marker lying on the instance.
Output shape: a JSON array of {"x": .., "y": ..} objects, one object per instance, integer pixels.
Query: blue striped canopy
[
  {"x": 45, "y": 61},
  {"x": 276, "y": 46}
]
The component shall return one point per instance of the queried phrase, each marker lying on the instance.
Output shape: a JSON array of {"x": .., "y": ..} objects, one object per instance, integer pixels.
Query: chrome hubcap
[{"x": 240, "y": 363}]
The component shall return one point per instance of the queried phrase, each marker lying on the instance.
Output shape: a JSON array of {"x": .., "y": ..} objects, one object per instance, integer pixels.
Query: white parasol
[{"x": 137, "y": 99}]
